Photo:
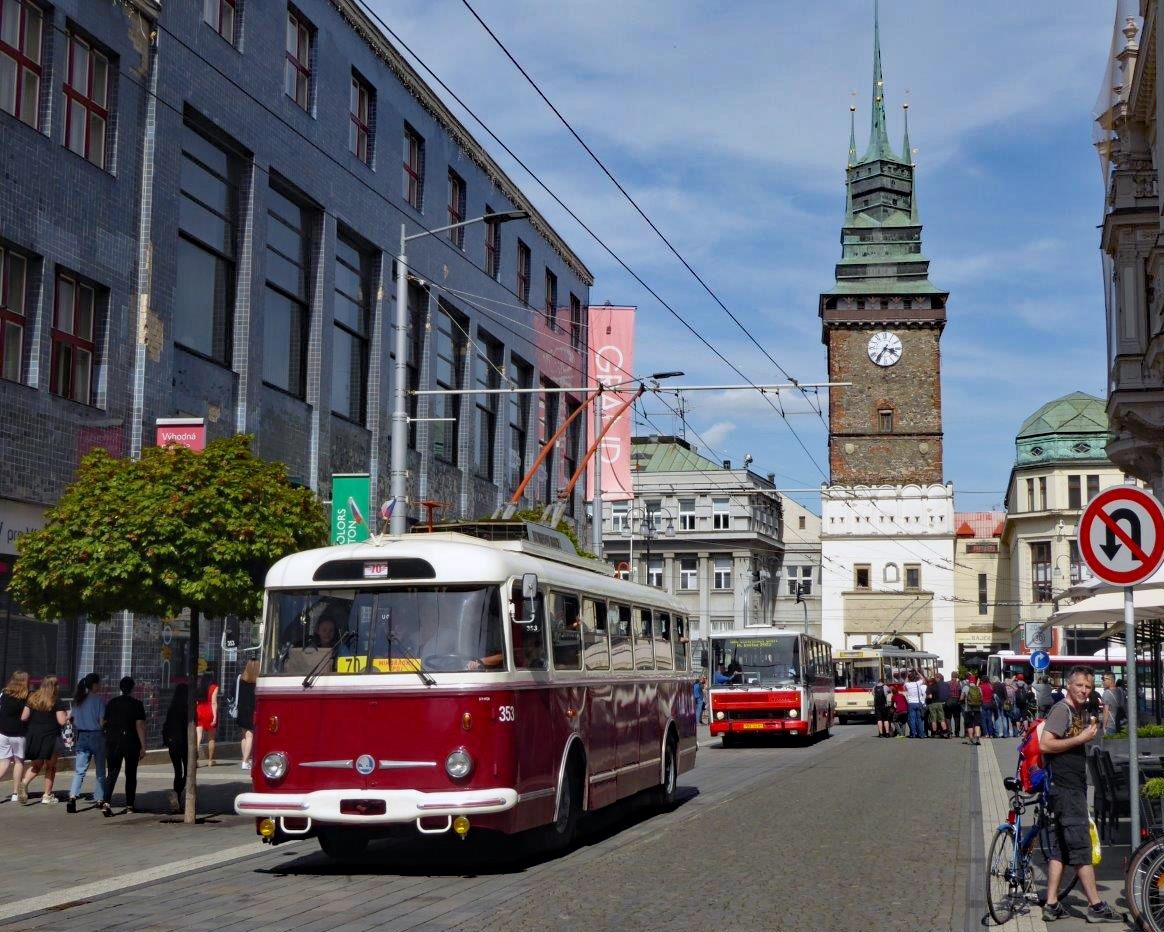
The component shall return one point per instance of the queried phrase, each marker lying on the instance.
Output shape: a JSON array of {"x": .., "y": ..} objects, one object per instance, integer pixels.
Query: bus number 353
[{"x": 505, "y": 713}]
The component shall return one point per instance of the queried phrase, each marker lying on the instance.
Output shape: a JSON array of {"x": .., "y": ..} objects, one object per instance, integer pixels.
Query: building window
[
  {"x": 982, "y": 593},
  {"x": 1079, "y": 570},
  {"x": 285, "y": 317},
  {"x": 13, "y": 285},
  {"x": 220, "y": 15},
  {"x": 575, "y": 322},
  {"x": 297, "y": 67},
  {"x": 655, "y": 572},
  {"x": 861, "y": 576},
  {"x": 618, "y": 513},
  {"x": 689, "y": 573},
  {"x": 687, "y": 514},
  {"x": 456, "y": 208},
  {"x": 520, "y": 376},
  {"x": 569, "y": 457},
  {"x": 73, "y": 340},
  {"x": 720, "y": 514},
  {"x": 487, "y": 375},
  {"x": 547, "y": 426},
  {"x": 1074, "y": 492},
  {"x": 1044, "y": 504},
  {"x": 1092, "y": 487},
  {"x": 413, "y": 167},
  {"x": 800, "y": 580},
  {"x": 551, "y": 300},
  {"x": 448, "y": 368},
  {"x": 523, "y": 261},
  {"x": 800, "y": 522},
  {"x": 204, "y": 296},
  {"x": 492, "y": 247},
  {"x": 1041, "y": 570},
  {"x": 722, "y": 573},
  {"x": 352, "y": 325},
  {"x": 885, "y": 420},
  {"x": 1031, "y": 495},
  {"x": 363, "y": 107},
  {"x": 21, "y": 33},
  {"x": 86, "y": 100},
  {"x": 912, "y": 576}
]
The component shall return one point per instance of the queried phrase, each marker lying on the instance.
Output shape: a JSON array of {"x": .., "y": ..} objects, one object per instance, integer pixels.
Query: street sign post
[{"x": 1121, "y": 538}]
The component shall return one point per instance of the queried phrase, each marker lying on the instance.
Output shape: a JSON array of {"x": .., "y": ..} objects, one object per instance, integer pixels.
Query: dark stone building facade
[{"x": 199, "y": 212}]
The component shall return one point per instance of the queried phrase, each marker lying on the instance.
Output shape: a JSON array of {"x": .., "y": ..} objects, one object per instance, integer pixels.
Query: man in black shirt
[
  {"x": 1064, "y": 739},
  {"x": 124, "y": 741}
]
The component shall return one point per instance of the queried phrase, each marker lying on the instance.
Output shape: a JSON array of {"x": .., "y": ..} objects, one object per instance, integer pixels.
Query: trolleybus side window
[
  {"x": 595, "y": 645},
  {"x": 565, "y": 630},
  {"x": 663, "y": 655},
  {"x": 621, "y": 656},
  {"x": 680, "y": 643},
  {"x": 644, "y": 648},
  {"x": 529, "y": 635}
]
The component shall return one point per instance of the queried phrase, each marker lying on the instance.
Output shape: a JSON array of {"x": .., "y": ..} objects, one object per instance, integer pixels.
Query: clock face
[{"x": 885, "y": 348}]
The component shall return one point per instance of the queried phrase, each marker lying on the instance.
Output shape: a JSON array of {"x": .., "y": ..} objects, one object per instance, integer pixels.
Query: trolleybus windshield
[
  {"x": 407, "y": 629},
  {"x": 860, "y": 673},
  {"x": 758, "y": 661}
]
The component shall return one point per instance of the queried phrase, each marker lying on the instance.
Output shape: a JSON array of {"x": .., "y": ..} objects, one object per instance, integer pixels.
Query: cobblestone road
[{"x": 850, "y": 833}]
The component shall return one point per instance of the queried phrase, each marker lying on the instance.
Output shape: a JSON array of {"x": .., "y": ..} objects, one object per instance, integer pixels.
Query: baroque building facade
[{"x": 887, "y": 517}]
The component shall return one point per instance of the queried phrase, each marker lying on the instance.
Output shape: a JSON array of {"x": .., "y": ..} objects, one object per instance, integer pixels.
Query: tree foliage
[{"x": 176, "y": 529}]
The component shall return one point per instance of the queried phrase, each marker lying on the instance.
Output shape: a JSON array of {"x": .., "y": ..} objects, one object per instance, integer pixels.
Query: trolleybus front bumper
[{"x": 361, "y": 807}]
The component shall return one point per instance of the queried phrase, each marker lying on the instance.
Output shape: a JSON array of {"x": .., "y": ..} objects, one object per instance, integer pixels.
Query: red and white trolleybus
[
  {"x": 444, "y": 680},
  {"x": 770, "y": 680}
]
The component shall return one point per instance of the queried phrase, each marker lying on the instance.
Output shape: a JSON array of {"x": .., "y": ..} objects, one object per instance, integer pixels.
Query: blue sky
[{"x": 728, "y": 122}]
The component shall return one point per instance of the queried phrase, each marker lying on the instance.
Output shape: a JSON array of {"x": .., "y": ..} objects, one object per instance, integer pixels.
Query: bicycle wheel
[
  {"x": 1137, "y": 875},
  {"x": 1148, "y": 905},
  {"x": 1003, "y": 886}
]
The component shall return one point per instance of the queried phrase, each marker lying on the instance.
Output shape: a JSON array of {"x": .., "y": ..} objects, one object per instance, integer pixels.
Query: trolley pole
[
  {"x": 596, "y": 466},
  {"x": 1133, "y": 717}
]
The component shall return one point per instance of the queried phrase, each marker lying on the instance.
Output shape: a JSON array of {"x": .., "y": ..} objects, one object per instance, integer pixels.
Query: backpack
[
  {"x": 974, "y": 696},
  {"x": 1032, "y": 769}
]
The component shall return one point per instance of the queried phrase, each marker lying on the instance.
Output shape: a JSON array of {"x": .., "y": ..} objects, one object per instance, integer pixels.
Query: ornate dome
[{"x": 1069, "y": 429}]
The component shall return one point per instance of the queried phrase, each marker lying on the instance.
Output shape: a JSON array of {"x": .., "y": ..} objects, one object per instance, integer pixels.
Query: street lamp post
[
  {"x": 399, "y": 471},
  {"x": 649, "y": 532}
]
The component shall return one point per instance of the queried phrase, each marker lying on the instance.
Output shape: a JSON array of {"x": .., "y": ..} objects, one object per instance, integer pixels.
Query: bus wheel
[
  {"x": 842, "y": 720},
  {"x": 343, "y": 844},
  {"x": 560, "y": 833},
  {"x": 729, "y": 740},
  {"x": 664, "y": 795}
]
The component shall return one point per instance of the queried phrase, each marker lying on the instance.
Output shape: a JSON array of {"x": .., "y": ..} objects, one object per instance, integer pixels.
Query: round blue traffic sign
[{"x": 1040, "y": 660}]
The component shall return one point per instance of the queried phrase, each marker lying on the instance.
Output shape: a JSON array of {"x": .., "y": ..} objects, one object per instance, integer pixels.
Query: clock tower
[{"x": 887, "y": 517}]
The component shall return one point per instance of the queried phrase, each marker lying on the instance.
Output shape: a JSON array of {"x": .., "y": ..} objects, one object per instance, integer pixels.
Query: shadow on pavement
[{"x": 482, "y": 853}]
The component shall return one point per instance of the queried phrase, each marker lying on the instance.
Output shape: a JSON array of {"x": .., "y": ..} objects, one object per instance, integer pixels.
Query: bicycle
[
  {"x": 1144, "y": 881},
  {"x": 1010, "y": 867}
]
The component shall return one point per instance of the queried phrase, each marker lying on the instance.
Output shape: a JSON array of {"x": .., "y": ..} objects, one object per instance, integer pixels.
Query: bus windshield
[
  {"x": 858, "y": 674},
  {"x": 409, "y": 629},
  {"x": 757, "y": 661}
]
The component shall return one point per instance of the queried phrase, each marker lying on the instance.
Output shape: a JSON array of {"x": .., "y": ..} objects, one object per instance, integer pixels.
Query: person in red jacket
[{"x": 987, "y": 708}]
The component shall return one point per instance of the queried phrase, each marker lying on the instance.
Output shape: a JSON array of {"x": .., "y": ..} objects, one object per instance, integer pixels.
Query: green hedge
[{"x": 1144, "y": 731}]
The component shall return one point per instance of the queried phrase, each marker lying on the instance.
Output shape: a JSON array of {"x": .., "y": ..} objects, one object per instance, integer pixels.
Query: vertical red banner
[{"x": 610, "y": 361}]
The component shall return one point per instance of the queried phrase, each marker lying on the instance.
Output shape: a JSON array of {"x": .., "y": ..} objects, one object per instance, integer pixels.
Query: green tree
[{"x": 174, "y": 530}]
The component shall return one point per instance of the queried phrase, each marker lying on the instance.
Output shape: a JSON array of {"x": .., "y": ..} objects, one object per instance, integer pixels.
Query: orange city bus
[{"x": 773, "y": 681}]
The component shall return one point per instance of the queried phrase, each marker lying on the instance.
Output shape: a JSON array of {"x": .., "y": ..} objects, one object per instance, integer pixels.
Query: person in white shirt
[{"x": 915, "y": 696}]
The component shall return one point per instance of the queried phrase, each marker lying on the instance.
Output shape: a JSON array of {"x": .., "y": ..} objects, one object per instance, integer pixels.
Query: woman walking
[
  {"x": 45, "y": 715},
  {"x": 207, "y": 708},
  {"x": 176, "y": 742},
  {"x": 124, "y": 742},
  {"x": 89, "y": 718},
  {"x": 12, "y": 732},
  {"x": 244, "y": 704}
]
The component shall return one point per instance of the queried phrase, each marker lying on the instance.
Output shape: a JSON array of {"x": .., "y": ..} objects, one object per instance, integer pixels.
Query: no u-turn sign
[{"x": 1121, "y": 535}]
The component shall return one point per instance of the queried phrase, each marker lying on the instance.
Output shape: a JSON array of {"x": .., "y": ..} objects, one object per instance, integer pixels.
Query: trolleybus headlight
[
  {"x": 275, "y": 765},
  {"x": 719, "y": 716},
  {"x": 793, "y": 713},
  {"x": 459, "y": 764}
]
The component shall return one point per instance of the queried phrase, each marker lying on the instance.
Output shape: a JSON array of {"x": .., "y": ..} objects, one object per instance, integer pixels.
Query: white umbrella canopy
[
  {"x": 1093, "y": 585},
  {"x": 1107, "y": 608}
]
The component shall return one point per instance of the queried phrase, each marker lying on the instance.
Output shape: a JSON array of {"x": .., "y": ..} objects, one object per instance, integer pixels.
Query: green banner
[{"x": 350, "y": 506}]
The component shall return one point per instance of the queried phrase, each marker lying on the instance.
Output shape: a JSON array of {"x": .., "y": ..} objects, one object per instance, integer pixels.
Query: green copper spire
[
  {"x": 852, "y": 135},
  {"x": 879, "y": 147},
  {"x": 906, "y": 154}
]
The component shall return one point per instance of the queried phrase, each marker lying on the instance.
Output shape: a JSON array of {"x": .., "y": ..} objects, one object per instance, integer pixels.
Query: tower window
[
  {"x": 861, "y": 576},
  {"x": 885, "y": 420}
]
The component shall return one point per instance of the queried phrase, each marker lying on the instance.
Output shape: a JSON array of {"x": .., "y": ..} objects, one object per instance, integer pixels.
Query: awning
[
  {"x": 1096, "y": 585},
  {"x": 1107, "y": 608}
]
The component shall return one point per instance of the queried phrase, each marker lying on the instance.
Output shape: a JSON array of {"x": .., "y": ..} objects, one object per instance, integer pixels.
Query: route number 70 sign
[{"x": 1121, "y": 535}]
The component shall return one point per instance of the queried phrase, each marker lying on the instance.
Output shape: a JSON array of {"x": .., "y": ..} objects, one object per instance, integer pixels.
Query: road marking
[{"x": 89, "y": 891}]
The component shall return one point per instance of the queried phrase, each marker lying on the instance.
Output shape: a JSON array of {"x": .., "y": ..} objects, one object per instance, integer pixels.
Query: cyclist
[{"x": 1064, "y": 746}]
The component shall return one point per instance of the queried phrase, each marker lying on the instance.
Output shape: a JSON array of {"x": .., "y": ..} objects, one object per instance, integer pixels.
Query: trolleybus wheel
[
  {"x": 343, "y": 844},
  {"x": 559, "y": 833},
  {"x": 729, "y": 740},
  {"x": 664, "y": 795}
]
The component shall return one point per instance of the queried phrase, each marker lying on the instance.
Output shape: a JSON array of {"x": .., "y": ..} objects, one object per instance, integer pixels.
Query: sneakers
[
  {"x": 1101, "y": 912},
  {"x": 71, "y": 805},
  {"x": 107, "y": 810},
  {"x": 1053, "y": 911},
  {"x": 245, "y": 765},
  {"x": 52, "y": 801}
]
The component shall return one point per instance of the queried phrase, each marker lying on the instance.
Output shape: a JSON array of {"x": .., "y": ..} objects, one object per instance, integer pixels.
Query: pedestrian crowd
[{"x": 37, "y": 726}]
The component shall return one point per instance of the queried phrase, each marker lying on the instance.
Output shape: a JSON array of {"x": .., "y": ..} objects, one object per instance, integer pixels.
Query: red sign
[
  {"x": 189, "y": 432},
  {"x": 1121, "y": 535},
  {"x": 611, "y": 362}
]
